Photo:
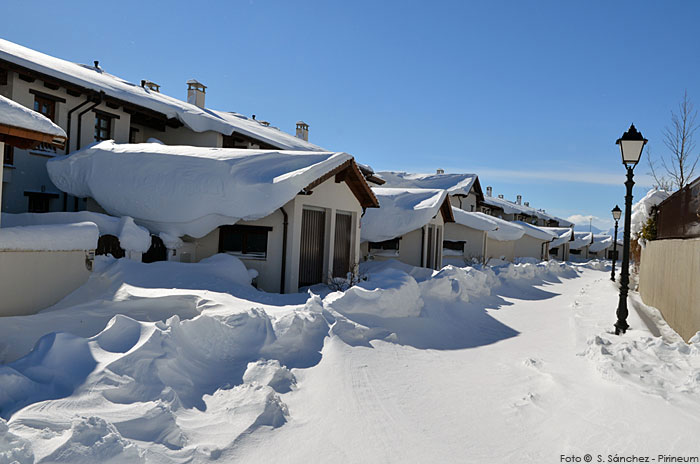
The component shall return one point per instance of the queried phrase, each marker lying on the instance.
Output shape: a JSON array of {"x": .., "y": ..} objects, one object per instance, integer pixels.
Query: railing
[{"x": 679, "y": 215}]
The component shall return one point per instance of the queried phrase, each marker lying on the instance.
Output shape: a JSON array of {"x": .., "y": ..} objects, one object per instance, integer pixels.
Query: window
[
  {"x": 39, "y": 202},
  {"x": 45, "y": 106},
  {"x": 133, "y": 134},
  {"x": 8, "y": 157},
  {"x": 455, "y": 245},
  {"x": 575, "y": 252},
  {"x": 103, "y": 127},
  {"x": 244, "y": 241},
  {"x": 386, "y": 245}
]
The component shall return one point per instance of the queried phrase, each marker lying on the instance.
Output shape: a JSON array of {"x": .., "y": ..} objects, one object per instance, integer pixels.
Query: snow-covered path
[
  {"x": 512, "y": 364},
  {"x": 528, "y": 398}
]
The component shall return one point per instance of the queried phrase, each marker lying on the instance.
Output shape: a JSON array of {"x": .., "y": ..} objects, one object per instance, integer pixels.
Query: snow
[
  {"x": 510, "y": 207},
  {"x": 188, "y": 363},
  {"x": 181, "y": 190},
  {"x": 401, "y": 211},
  {"x": 563, "y": 235},
  {"x": 131, "y": 237},
  {"x": 600, "y": 242},
  {"x": 193, "y": 117},
  {"x": 455, "y": 184},
  {"x": 537, "y": 232},
  {"x": 474, "y": 220},
  {"x": 581, "y": 240},
  {"x": 506, "y": 231},
  {"x": 642, "y": 209},
  {"x": 52, "y": 237},
  {"x": 16, "y": 115}
]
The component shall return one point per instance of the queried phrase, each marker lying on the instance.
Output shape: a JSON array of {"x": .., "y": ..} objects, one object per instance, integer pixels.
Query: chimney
[
  {"x": 500, "y": 196},
  {"x": 489, "y": 192},
  {"x": 527, "y": 203},
  {"x": 150, "y": 85},
  {"x": 303, "y": 130},
  {"x": 440, "y": 171},
  {"x": 519, "y": 199},
  {"x": 195, "y": 93}
]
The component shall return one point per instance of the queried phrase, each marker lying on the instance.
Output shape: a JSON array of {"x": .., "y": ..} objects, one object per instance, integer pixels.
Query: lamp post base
[{"x": 621, "y": 326}]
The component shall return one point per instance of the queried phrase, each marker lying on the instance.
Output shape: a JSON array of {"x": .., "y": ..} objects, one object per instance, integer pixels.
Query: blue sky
[{"x": 529, "y": 95}]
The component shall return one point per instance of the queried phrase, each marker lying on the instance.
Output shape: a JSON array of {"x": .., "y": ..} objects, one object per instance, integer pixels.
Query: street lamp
[
  {"x": 631, "y": 145},
  {"x": 616, "y": 213}
]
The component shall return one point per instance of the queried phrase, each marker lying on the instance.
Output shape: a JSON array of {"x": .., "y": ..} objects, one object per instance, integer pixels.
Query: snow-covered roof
[
  {"x": 455, "y": 184},
  {"x": 563, "y": 235},
  {"x": 196, "y": 118},
  {"x": 14, "y": 116},
  {"x": 506, "y": 231},
  {"x": 600, "y": 243},
  {"x": 536, "y": 231},
  {"x": 401, "y": 211},
  {"x": 183, "y": 190},
  {"x": 581, "y": 239},
  {"x": 474, "y": 220},
  {"x": 131, "y": 237},
  {"x": 510, "y": 207}
]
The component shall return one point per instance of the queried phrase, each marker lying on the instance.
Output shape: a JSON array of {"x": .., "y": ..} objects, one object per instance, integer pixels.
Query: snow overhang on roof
[
  {"x": 402, "y": 211},
  {"x": 182, "y": 190},
  {"x": 455, "y": 184},
  {"x": 600, "y": 242},
  {"x": 563, "y": 235},
  {"x": 580, "y": 240},
  {"x": 510, "y": 207},
  {"x": 536, "y": 232},
  {"x": 24, "y": 128},
  {"x": 169, "y": 110},
  {"x": 506, "y": 231},
  {"x": 474, "y": 220}
]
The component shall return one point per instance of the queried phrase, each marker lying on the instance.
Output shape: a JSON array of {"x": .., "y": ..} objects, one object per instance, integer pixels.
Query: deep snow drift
[{"x": 175, "y": 362}]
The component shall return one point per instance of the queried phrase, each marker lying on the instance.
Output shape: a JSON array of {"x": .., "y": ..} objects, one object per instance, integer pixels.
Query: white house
[
  {"x": 534, "y": 243},
  {"x": 519, "y": 211},
  {"x": 601, "y": 244},
  {"x": 39, "y": 265},
  {"x": 559, "y": 247},
  {"x": 466, "y": 238},
  {"x": 293, "y": 216},
  {"x": 408, "y": 226},
  {"x": 578, "y": 246}
]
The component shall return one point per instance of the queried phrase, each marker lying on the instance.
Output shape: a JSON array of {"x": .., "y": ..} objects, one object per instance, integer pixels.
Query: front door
[
  {"x": 313, "y": 231},
  {"x": 341, "y": 254}
]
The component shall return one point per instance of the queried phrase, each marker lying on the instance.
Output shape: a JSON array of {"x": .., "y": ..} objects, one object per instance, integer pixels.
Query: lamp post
[
  {"x": 616, "y": 213},
  {"x": 631, "y": 145}
]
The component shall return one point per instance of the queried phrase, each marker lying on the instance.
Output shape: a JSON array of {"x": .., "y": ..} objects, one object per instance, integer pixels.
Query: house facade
[
  {"x": 408, "y": 226},
  {"x": 292, "y": 216}
]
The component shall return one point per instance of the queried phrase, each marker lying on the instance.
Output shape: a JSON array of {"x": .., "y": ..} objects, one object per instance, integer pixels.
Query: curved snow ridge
[
  {"x": 652, "y": 364},
  {"x": 184, "y": 190}
]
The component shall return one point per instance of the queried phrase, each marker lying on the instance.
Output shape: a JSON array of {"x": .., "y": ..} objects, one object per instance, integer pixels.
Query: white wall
[
  {"x": 331, "y": 197},
  {"x": 497, "y": 249},
  {"x": 474, "y": 246},
  {"x": 528, "y": 247},
  {"x": 33, "y": 280},
  {"x": 413, "y": 246}
]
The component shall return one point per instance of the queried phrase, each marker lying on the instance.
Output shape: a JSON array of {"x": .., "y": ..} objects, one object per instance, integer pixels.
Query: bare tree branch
[{"x": 682, "y": 160}]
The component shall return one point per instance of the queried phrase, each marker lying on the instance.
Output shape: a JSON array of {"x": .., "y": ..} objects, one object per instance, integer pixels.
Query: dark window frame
[
  {"x": 456, "y": 245},
  {"x": 39, "y": 202},
  {"x": 249, "y": 247},
  {"x": 100, "y": 117},
  {"x": 40, "y": 101},
  {"x": 386, "y": 245}
]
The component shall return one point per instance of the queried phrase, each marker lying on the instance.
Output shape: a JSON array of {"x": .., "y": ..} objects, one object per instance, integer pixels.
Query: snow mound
[
  {"x": 530, "y": 271},
  {"x": 654, "y": 365},
  {"x": 15, "y": 115},
  {"x": 388, "y": 293},
  {"x": 14, "y": 449},
  {"x": 455, "y": 283}
]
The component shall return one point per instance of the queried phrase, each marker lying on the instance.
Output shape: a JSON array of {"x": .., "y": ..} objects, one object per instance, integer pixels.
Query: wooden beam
[{"x": 17, "y": 135}]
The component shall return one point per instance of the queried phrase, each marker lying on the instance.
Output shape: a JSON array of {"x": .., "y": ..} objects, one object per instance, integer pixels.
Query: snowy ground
[{"x": 162, "y": 363}]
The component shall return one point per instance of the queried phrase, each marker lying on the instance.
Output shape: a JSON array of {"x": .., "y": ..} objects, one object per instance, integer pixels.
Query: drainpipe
[
  {"x": 68, "y": 140},
  {"x": 485, "y": 241},
  {"x": 422, "y": 246},
  {"x": 285, "y": 224},
  {"x": 98, "y": 99}
]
